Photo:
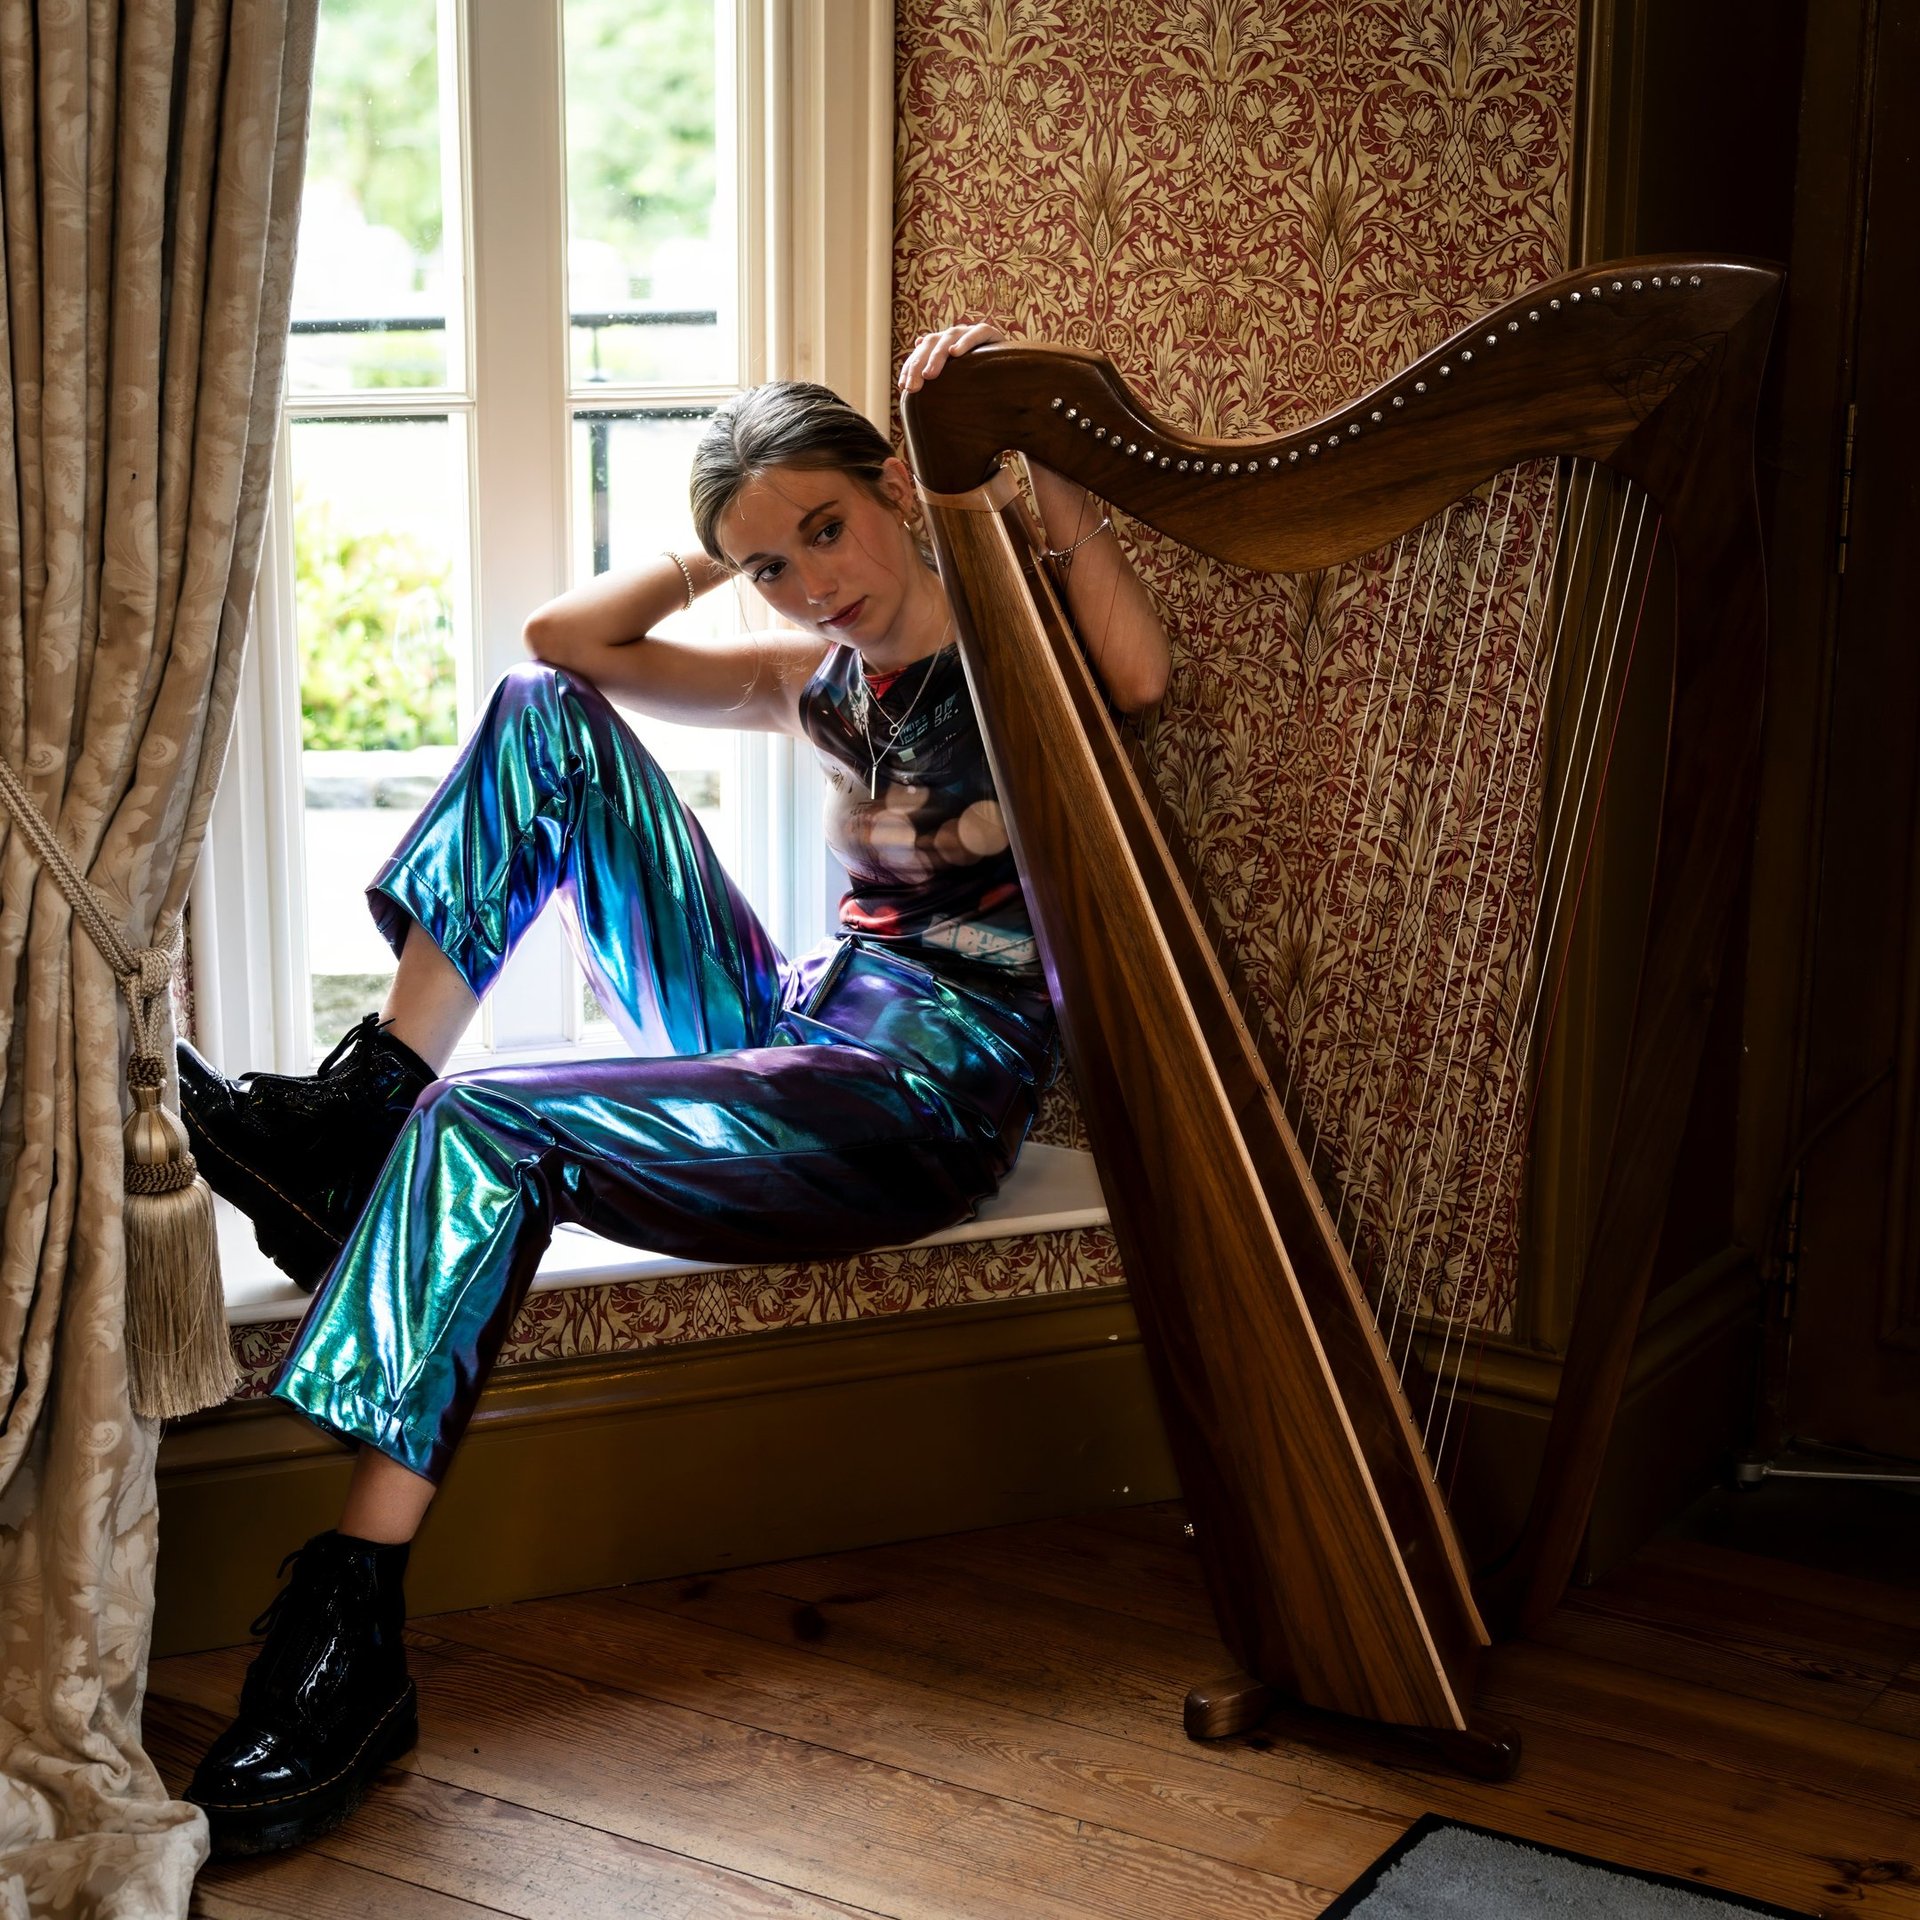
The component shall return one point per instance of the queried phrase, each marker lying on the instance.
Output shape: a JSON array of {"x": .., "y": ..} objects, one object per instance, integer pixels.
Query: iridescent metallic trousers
[{"x": 778, "y": 1110}]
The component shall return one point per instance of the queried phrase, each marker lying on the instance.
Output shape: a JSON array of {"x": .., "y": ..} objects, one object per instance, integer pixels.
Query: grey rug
[{"x": 1445, "y": 1870}]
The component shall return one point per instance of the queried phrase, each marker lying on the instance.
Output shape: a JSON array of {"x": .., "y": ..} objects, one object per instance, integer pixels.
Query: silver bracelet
[
  {"x": 686, "y": 572},
  {"x": 1065, "y": 554}
]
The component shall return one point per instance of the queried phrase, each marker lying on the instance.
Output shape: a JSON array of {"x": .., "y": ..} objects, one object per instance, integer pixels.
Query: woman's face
[{"x": 823, "y": 551}]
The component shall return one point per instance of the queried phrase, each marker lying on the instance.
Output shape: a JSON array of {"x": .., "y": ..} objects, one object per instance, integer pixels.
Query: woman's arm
[
  {"x": 603, "y": 631},
  {"x": 1112, "y": 610}
]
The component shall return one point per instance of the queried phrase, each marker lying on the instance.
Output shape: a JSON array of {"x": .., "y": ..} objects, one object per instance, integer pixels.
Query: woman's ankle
[
  {"x": 429, "y": 1006},
  {"x": 386, "y": 1502}
]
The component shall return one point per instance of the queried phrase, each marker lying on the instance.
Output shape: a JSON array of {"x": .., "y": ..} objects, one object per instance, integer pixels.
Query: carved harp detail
[{"x": 1301, "y": 1425}]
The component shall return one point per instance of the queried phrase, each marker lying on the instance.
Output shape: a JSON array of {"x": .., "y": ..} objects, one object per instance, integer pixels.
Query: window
[{"x": 539, "y": 243}]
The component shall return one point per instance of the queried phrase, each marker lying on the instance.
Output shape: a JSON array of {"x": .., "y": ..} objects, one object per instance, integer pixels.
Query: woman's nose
[{"x": 816, "y": 582}]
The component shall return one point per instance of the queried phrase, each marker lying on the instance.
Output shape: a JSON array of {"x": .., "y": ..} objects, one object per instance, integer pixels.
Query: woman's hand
[
  {"x": 1129, "y": 649},
  {"x": 932, "y": 351}
]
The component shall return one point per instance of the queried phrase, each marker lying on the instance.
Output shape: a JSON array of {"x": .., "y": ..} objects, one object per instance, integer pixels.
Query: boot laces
[
  {"x": 273, "y": 1679},
  {"x": 358, "y": 1037},
  {"x": 270, "y": 1614},
  {"x": 363, "y": 1033}
]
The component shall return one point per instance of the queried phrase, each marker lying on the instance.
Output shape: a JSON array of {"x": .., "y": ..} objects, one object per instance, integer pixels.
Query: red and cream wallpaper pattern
[
  {"x": 632, "y": 1316},
  {"x": 1257, "y": 209}
]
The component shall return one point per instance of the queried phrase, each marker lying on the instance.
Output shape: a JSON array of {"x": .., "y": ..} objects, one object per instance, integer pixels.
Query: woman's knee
[
  {"x": 454, "y": 1117},
  {"x": 561, "y": 702},
  {"x": 536, "y": 687}
]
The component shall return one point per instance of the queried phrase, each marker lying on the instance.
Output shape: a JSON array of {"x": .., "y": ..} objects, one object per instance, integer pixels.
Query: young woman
[{"x": 867, "y": 1093}]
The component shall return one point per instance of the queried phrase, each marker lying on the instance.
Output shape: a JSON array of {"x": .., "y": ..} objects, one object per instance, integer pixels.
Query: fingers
[{"x": 932, "y": 351}]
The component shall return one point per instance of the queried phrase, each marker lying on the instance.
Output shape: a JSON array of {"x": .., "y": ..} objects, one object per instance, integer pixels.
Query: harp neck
[{"x": 1597, "y": 364}]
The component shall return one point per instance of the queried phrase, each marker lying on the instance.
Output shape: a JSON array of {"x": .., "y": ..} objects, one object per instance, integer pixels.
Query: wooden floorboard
[
  {"x": 464, "y": 1852},
  {"x": 1755, "y": 1640},
  {"x": 1093, "y": 1778},
  {"x": 989, "y": 1724},
  {"x": 1898, "y": 1708}
]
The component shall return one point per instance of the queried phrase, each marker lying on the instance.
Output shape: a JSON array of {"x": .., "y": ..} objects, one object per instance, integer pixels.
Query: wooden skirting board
[
  {"x": 590, "y": 1473},
  {"x": 1687, "y": 1407},
  {"x": 595, "y": 1472}
]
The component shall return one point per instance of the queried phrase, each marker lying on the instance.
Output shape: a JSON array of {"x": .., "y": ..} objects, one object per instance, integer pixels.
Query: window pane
[
  {"x": 371, "y": 295},
  {"x": 648, "y": 262},
  {"x": 376, "y": 521},
  {"x": 630, "y": 501}
]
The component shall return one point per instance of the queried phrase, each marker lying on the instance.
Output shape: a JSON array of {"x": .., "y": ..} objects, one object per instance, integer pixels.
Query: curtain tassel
[
  {"x": 178, "y": 1359},
  {"x": 177, "y": 1350}
]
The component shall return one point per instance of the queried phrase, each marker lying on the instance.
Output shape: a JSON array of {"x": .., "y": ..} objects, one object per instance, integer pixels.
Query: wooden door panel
[{"x": 1854, "y": 1378}]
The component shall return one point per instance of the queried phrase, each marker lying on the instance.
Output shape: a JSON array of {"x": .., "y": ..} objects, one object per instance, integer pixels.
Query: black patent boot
[
  {"x": 325, "y": 1705},
  {"x": 298, "y": 1154}
]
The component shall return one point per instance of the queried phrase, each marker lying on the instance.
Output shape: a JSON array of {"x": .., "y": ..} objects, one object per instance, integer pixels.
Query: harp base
[
  {"x": 1237, "y": 1703},
  {"x": 1486, "y": 1750}
]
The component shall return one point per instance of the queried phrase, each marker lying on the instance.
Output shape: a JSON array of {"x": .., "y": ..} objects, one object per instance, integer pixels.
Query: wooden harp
[{"x": 1301, "y": 1423}]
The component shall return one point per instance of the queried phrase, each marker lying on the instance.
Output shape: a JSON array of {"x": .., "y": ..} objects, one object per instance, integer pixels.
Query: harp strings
[
  {"x": 1420, "y": 1182},
  {"x": 1433, "y": 1119},
  {"x": 1463, "y": 824},
  {"x": 1387, "y": 810},
  {"x": 1475, "y": 960},
  {"x": 1491, "y": 907},
  {"x": 1357, "y": 802},
  {"x": 1414, "y": 585},
  {"x": 1381, "y": 763},
  {"x": 1451, "y": 1292},
  {"x": 1428, "y": 822},
  {"x": 1396, "y": 1183},
  {"x": 1515, "y": 1085}
]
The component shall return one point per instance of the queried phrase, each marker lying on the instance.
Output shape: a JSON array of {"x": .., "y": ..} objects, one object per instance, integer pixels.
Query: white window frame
[{"x": 812, "y": 115}]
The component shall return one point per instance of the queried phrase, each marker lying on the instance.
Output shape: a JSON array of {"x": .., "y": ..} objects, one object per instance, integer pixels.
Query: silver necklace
[{"x": 863, "y": 702}]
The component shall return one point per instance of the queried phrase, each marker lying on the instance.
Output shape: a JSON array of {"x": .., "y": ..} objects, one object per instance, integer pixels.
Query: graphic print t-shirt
[{"x": 927, "y": 851}]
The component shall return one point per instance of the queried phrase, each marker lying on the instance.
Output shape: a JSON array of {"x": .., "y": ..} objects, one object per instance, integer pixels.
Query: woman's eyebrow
[{"x": 812, "y": 513}]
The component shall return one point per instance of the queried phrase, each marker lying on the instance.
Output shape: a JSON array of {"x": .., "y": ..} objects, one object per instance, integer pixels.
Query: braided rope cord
[{"x": 144, "y": 973}]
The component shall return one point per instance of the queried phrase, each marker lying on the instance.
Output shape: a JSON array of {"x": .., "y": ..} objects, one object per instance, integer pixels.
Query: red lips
[{"x": 847, "y": 614}]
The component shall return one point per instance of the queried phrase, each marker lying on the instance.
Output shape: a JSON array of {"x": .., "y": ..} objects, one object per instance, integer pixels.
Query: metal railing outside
[{"x": 600, "y": 421}]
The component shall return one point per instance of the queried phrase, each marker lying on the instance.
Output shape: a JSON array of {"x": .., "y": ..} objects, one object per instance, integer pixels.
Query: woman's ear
[{"x": 896, "y": 482}]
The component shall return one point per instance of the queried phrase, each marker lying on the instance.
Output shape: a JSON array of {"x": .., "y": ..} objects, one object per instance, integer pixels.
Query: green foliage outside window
[
  {"x": 640, "y": 121},
  {"x": 375, "y": 624},
  {"x": 640, "y": 148},
  {"x": 375, "y": 124}
]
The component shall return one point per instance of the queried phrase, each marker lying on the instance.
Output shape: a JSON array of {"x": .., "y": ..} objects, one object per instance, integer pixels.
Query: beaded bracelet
[
  {"x": 1065, "y": 554},
  {"x": 686, "y": 572}
]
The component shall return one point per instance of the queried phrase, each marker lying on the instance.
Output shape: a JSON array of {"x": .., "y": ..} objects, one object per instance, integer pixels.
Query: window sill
[{"x": 1051, "y": 1190}]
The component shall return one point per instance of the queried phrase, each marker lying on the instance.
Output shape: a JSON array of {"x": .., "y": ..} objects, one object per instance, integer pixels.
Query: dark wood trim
[
  {"x": 735, "y": 1452},
  {"x": 1688, "y": 1313},
  {"x": 594, "y": 1472},
  {"x": 1771, "y": 156},
  {"x": 1604, "y": 203},
  {"x": 1664, "y": 158},
  {"x": 1803, "y": 441},
  {"x": 1686, "y": 1405}
]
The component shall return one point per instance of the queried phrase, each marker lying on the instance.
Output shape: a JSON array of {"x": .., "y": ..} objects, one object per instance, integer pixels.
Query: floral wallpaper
[
  {"x": 632, "y": 1316},
  {"x": 1257, "y": 209}
]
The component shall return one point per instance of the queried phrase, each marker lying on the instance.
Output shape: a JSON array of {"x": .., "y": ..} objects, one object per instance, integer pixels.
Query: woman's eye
[
  {"x": 829, "y": 533},
  {"x": 769, "y": 572}
]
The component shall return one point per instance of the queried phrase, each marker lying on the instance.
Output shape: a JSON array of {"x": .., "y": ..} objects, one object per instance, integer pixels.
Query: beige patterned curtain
[{"x": 150, "y": 163}]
